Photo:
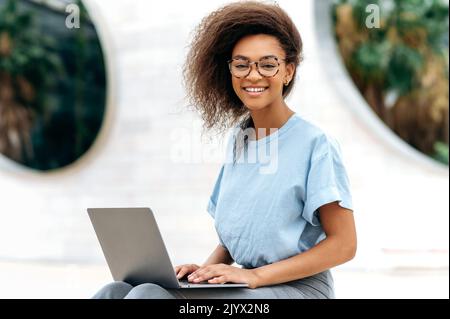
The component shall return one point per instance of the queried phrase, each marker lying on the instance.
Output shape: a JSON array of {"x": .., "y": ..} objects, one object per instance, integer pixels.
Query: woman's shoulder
[{"x": 316, "y": 138}]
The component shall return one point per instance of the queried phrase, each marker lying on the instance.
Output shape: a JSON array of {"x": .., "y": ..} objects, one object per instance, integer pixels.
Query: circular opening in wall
[
  {"x": 396, "y": 53},
  {"x": 52, "y": 82}
]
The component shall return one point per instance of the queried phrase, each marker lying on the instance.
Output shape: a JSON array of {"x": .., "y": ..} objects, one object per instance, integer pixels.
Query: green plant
[
  {"x": 52, "y": 84},
  {"x": 26, "y": 58},
  {"x": 401, "y": 67},
  {"x": 441, "y": 152}
]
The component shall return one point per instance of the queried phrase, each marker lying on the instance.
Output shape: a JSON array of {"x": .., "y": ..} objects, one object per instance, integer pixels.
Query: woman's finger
[
  {"x": 182, "y": 272},
  {"x": 198, "y": 271},
  {"x": 208, "y": 274},
  {"x": 218, "y": 280}
]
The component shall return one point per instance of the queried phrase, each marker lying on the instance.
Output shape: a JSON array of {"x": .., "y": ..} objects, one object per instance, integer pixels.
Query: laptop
[{"x": 134, "y": 248}]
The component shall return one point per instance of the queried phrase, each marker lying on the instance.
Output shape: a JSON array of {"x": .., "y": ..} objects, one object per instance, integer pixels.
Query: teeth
[{"x": 254, "y": 89}]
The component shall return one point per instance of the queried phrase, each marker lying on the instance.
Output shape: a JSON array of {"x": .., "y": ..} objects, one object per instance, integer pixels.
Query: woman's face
[{"x": 254, "y": 47}]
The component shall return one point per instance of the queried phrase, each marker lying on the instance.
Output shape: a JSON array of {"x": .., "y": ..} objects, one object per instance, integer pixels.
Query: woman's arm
[
  {"x": 220, "y": 255},
  {"x": 338, "y": 248}
]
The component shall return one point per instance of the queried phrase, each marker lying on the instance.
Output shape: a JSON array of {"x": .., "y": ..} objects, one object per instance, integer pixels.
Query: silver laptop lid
[{"x": 133, "y": 246}]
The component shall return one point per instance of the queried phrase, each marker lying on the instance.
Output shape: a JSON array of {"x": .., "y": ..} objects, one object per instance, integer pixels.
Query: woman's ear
[{"x": 290, "y": 69}]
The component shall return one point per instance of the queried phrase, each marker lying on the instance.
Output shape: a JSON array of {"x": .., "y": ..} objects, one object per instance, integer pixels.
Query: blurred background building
[{"x": 94, "y": 116}]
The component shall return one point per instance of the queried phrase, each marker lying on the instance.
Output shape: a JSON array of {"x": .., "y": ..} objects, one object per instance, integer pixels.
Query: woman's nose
[{"x": 254, "y": 74}]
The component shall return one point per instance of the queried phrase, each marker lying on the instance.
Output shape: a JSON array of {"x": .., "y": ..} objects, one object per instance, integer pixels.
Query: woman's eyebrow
[{"x": 247, "y": 58}]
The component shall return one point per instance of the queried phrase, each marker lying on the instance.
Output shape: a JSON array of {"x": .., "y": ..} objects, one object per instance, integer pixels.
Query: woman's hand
[
  {"x": 222, "y": 273},
  {"x": 182, "y": 270}
]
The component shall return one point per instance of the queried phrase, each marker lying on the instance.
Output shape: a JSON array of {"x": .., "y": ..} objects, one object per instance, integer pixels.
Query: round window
[
  {"x": 52, "y": 82},
  {"x": 397, "y": 54}
]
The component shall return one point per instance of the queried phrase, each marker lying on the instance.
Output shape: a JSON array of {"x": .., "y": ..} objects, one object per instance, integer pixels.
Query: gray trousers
[{"x": 319, "y": 286}]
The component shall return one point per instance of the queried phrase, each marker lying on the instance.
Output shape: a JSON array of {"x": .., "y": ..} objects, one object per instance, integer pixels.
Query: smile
[
  {"x": 249, "y": 89},
  {"x": 253, "y": 91}
]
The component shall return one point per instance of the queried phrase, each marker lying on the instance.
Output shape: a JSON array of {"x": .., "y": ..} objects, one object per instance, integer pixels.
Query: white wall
[{"x": 401, "y": 204}]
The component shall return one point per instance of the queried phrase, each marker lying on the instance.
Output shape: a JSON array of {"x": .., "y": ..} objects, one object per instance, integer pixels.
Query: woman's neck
[{"x": 270, "y": 117}]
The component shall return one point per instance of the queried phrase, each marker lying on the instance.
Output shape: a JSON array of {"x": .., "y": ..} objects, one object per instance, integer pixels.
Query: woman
[{"x": 286, "y": 226}]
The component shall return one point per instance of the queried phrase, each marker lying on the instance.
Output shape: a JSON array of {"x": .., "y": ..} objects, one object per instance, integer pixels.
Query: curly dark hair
[{"x": 206, "y": 75}]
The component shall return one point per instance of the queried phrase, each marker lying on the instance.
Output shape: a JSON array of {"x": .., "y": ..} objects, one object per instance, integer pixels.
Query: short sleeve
[
  {"x": 327, "y": 180},
  {"x": 211, "y": 207}
]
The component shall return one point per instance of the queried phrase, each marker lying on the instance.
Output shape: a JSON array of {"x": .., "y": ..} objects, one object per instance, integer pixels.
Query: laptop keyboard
[{"x": 185, "y": 283}]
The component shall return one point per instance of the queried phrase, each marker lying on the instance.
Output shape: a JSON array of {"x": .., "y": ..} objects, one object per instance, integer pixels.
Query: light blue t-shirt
[{"x": 263, "y": 218}]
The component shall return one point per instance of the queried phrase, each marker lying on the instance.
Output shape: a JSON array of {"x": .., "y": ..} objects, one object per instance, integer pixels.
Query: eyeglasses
[{"x": 266, "y": 67}]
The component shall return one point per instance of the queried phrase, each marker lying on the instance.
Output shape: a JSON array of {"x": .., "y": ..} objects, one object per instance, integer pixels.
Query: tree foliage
[
  {"x": 401, "y": 66},
  {"x": 52, "y": 85}
]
